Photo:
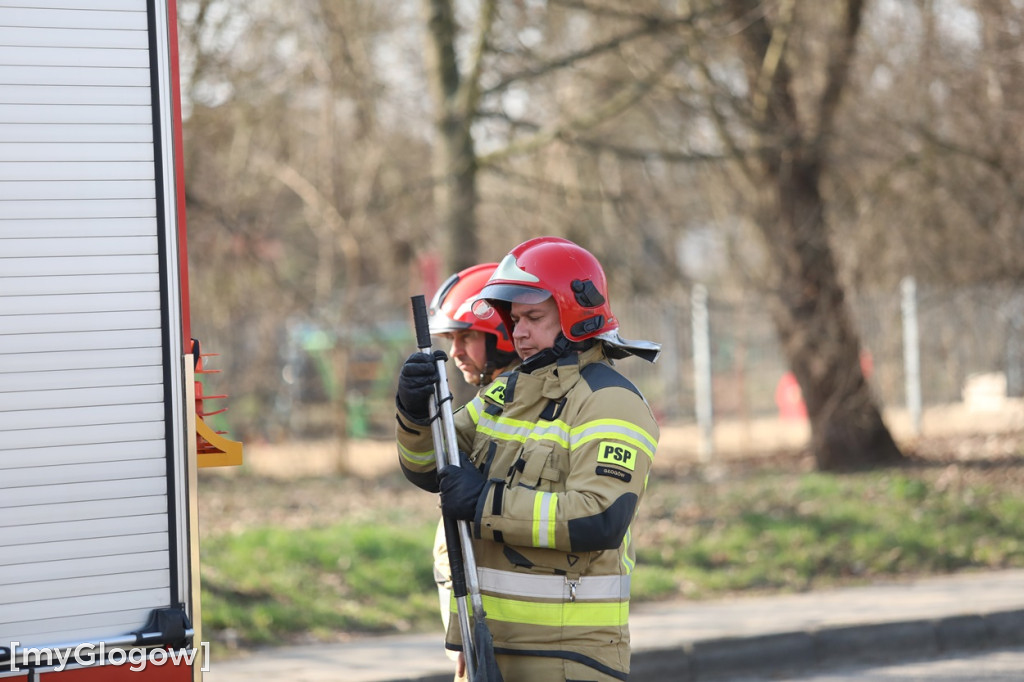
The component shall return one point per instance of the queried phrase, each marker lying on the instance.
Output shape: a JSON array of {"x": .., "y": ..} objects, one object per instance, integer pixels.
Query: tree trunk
[
  {"x": 811, "y": 315},
  {"x": 817, "y": 333},
  {"x": 455, "y": 166}
]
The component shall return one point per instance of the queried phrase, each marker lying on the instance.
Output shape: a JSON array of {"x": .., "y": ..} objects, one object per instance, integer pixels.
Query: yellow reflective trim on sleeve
[
  {"x": 418, "y": 459},
  {"x": 557, "y": 614},
  {"x": 544, "y": 508},
  {"x": 615, "y": 429},
  {"x": 628, "y": 563},
  {"x": 474, "y": 408}
]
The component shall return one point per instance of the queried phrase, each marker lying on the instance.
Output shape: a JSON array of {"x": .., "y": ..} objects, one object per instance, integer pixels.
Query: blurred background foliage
[{"x": 341, "y": 156}]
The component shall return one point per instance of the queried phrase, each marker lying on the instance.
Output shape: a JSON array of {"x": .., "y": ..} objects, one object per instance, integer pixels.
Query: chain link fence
[{"x": 970, "y": 346}]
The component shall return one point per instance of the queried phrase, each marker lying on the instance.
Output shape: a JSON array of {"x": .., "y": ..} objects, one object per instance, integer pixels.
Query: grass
[
  {"x": 758, "y": 533},
  {"x": 267, "y": 585},
  {"x": 778, "y": 533}
]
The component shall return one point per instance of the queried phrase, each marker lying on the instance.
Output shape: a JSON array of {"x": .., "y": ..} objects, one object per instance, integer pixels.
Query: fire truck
[{"x": 102, "y": 425}]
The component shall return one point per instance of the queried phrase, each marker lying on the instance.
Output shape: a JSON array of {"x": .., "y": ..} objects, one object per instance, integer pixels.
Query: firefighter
[
  {"x": 557, "y": 456},
  {"x": 481, "y": 349}
]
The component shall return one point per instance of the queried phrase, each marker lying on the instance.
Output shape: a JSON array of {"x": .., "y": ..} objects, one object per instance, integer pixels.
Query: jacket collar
[{"x": 555, "y": 380}]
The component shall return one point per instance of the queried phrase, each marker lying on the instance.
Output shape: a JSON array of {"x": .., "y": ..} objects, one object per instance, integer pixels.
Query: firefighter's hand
[
  {"x": 461, "y": 487},
  {"x": 416, "y": 384}
]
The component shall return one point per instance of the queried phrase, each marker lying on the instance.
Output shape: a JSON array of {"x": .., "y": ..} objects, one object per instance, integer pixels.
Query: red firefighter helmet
[
  {"x": 451, "y": 308},
  {"x": 552, "y": 267}
]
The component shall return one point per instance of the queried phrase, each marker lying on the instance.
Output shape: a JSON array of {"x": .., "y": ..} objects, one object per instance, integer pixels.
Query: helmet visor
[
  {"x": 442, "y": 324},
  {"x": 506, "y": 293}
]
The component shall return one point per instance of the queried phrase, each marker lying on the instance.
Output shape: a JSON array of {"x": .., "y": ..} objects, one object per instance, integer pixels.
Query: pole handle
[
  {"x": 421, "y": 321},
  {"x": 456, "y": 564}
]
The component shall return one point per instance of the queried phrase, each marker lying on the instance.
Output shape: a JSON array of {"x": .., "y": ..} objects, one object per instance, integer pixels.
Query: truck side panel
[{"x": 93, "y": 485}]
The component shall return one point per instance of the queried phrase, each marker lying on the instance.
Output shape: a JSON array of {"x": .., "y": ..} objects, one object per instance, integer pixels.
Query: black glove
[
  {"x": 461, "y": 487},
  {"x": 416, "y": 384}
]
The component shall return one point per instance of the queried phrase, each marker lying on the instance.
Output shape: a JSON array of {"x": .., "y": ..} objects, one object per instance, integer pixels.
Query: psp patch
[
  {"x": 616, "y": 453},
  {"x": 497, "y": 393}
]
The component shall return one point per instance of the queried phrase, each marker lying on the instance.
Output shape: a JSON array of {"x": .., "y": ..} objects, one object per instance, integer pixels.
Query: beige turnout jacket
[{"x": 567, "y": 450}]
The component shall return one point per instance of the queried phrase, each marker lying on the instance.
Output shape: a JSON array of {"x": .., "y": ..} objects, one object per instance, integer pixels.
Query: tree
[
  {"x": 460, "y": 60},
  {"x": 808, "y": 302}
]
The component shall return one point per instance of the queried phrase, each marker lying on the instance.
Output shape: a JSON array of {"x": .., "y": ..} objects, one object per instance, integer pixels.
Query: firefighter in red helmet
[
  {"x": 481, "y": 349},
  {"x": 558, "y": 453}
]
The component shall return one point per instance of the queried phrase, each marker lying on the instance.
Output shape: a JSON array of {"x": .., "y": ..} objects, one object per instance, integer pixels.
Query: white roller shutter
[{"x": 91, "y": 404}]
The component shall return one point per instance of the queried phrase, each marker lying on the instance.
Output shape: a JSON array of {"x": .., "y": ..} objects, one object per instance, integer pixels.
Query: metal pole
[
  {"x": 440, "y": 414},
  {"x": 702, "y": 371},
  {"x": 911, "y": 351}
]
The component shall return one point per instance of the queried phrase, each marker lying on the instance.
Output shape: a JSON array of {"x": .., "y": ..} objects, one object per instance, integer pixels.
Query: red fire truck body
[{"x": 98, "y": 424}]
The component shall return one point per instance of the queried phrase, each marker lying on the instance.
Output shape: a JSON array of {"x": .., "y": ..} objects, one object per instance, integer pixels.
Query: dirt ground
[{"x": 317, "y": 483}]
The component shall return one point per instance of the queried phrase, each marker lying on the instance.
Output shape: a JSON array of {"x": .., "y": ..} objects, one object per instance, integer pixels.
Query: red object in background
[
  {"x": 429, "y": 266},
  {"x": 790, "y": 399}
]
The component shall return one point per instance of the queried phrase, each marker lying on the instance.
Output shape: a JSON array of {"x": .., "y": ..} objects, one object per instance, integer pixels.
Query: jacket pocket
[{"x": 541, "y": 467}]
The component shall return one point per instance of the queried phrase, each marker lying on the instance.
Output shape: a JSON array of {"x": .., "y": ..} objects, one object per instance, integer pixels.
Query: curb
[
  {"x": 717, "y": 659},
  {"x": 720, "y": 658}
]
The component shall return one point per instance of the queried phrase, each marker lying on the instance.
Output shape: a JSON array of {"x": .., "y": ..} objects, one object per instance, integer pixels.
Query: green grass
[
  {"x": 761, "y": 533},
  {"x": 268, "y": 585},
  {"x": 784, "y": 534}
]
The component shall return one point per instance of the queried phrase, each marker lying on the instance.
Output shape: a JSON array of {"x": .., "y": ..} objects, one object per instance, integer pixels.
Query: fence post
[
  {"x": 911, "y": 351},
  {"x": 670, "y": 363},
  {"x": 702, "y": 371}
]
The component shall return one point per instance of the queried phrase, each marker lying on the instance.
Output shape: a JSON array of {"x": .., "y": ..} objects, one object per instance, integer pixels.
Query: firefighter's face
[
  {"x": 469, "y": 351},
  {"x": 536, "y": 326}
]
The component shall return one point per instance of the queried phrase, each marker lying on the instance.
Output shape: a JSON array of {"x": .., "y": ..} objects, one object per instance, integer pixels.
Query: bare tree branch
[
  {"x": 615, "y": 105},
  {"x": 773, "y": 57},
  {"x": 649, "y": 25},
  {"x": 467, "y": 97},
  {"x": 838, "y": 69}
]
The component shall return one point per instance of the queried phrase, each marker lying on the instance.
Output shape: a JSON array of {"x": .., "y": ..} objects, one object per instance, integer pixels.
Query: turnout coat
[{"x": 566, "y": 450}]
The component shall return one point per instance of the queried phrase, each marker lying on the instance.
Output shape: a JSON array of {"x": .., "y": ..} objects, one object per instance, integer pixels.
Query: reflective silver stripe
[
  {"x": 475, "y": 407},
  {"x": 588, "y": 588},
  {"x": 605, "y": 428},
  {"x": 416, "y": 458},
  {"x": 521, "y": 431}
]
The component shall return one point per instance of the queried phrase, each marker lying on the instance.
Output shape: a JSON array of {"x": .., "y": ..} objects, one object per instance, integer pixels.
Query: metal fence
[
  {"x": 730, "y": 359},
  {"x": 961, "y": 334}
]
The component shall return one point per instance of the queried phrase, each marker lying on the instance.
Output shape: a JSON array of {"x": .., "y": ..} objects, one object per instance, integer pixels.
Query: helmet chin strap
[
  {"x": 481, "y": 374},
  {"x": 561, "y": 348}
]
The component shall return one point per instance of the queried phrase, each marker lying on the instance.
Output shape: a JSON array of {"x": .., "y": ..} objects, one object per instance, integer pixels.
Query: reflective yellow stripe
[
  {"x": 417, "y": 459},
  {"x": 474, "y": 407},
  {"x": 616, "y": 429},
  {"x": 628, "y": 563},
  {"x": 520, "y": 431},
  {"x": 562, "y": 614},
  {"x": 544, "y": 507}
]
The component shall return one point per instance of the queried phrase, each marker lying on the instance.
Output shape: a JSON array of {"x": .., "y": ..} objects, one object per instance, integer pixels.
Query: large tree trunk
[
  {"x": 455, "y": 161},
  {"x": 812, "y": 318},
  {"x": 817, "y": 333}
]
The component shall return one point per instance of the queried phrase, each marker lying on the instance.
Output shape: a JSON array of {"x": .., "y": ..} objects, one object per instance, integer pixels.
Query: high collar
[{"x": 555, "y": 379}]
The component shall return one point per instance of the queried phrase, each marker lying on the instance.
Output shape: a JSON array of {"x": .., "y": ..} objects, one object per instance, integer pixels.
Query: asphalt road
[{"x": 1000, "y": 664}]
